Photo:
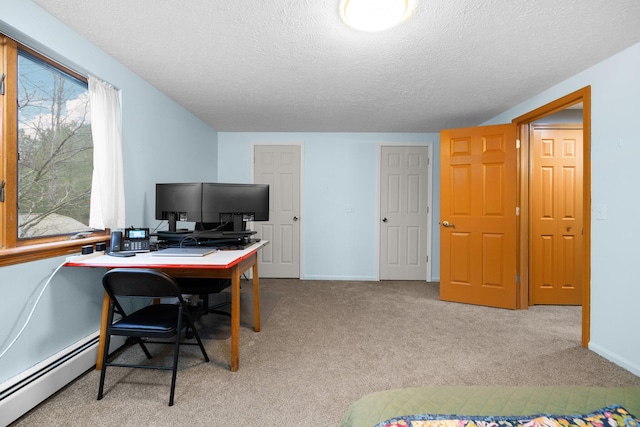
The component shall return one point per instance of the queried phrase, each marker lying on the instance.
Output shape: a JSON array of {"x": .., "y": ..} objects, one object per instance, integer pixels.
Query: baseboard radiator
[{"x": 27, "y": 390}]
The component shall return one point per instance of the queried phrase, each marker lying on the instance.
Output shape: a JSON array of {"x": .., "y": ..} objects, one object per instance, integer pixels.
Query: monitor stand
[
  {"x": 171, "y": 217},
  {"x": 238, "y": 223}
]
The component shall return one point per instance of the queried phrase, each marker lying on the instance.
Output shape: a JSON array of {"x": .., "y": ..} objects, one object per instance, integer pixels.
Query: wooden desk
[{"x": 220, "y": 264}]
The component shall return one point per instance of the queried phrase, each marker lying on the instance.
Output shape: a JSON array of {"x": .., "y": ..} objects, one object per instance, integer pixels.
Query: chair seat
[
  {"x": 153, "y": 319},
  {"x": 158, "y": 320}
]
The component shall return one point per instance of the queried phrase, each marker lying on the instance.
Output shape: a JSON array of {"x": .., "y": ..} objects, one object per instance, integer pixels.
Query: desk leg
[
  {"x": 103, "y": 330},
  {"x": 256, "y": 298},
  {"x": 235, "y": 318}
]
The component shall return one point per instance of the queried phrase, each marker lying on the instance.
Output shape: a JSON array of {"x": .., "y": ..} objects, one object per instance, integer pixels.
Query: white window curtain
[{"x": 107, "y": 188}]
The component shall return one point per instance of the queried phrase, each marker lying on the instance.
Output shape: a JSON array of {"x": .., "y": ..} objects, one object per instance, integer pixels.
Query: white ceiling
[{"x": 291, "y": 65}]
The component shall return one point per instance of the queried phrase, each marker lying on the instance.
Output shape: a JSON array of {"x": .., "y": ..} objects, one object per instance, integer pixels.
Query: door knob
[
  {"x": 384, "y": 220},
  {"x": 447, "y": 224},
  {"x": 295, "y": 218}
]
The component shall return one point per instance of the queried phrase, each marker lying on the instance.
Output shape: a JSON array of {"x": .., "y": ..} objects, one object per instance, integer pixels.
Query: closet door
[
  {"x": 279, "y": 166},
  {"x": 404, "y": 212}
]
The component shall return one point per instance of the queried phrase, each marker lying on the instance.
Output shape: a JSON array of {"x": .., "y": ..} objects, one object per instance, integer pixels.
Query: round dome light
[{"x": 375, "y": 15}]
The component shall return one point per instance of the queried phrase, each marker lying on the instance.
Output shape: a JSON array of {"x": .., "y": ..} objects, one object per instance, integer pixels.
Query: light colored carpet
[
  {"x": 325, "y": 344},
  {"x": 218, "y": 326}
]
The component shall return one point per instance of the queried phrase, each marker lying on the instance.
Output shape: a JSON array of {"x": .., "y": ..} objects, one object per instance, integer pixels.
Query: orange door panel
[
  {"x": 556, "y": 216},
  {"x": 478, "y": 216}
]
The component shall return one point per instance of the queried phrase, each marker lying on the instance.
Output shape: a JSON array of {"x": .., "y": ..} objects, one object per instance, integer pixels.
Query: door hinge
[
  {"x": 517, "y": 210},
  {"x": 517, "y": 278},
  {"x": 517, "y": 143},
  {"x": 2, "y": 83},
  {"x": 2, "y": 191}
]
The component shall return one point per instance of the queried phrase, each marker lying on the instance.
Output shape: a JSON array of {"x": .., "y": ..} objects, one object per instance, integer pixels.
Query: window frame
[{"x": 12, "y": 249}]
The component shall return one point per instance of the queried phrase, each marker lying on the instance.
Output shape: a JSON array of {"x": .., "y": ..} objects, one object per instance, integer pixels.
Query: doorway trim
[{"x": 523, "y": 125}]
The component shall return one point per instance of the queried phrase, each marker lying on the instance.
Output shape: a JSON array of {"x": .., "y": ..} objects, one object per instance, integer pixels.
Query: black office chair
[
  {"x": 203, "y": 287},
  {"x": 152, "y": 321}
]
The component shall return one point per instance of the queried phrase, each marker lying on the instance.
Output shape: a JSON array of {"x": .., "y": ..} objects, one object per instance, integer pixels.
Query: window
[
  {"x": 55, "y": 150},
  {"x": 46, "y": 150}
]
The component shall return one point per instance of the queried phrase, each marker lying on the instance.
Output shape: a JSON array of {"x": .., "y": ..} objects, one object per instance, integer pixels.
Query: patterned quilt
[{"x": 610, "y": 416}]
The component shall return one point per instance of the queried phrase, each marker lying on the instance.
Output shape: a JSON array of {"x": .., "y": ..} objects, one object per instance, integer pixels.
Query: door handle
[
  {"x": 295, "y": 218},
  {"x": 447, "y": 224},
  {"x": 384, "y": 220}
]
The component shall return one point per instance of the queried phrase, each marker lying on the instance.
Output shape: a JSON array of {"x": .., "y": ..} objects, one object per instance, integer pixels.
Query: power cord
[
  {"x": 188, "y": 237},
  {"x": 32, "y": 310}
]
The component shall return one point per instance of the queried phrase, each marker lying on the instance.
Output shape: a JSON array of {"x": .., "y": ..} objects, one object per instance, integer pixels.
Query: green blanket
[{"x": 487, "y": 401}]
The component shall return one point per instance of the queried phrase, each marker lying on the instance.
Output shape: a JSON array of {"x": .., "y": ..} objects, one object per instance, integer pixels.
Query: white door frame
[
  {"x": 302, "y": 216},
  {"x": 429, "y": 146}
]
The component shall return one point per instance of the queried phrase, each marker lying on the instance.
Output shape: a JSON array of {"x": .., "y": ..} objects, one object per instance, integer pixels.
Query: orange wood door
[
  {"x": 557, "y": 253},
  {"x": 478, "y": 215}
]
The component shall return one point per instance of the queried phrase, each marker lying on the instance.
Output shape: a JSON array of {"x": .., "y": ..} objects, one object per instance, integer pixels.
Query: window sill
[{"x": 39, "y": 251}]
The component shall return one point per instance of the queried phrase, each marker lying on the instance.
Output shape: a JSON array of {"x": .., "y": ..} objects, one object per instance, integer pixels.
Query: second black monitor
[{"x": 235, "y": 203}]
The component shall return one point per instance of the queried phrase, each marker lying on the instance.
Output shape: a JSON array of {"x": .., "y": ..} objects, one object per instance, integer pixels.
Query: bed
[{"x": 376, "y": 408}]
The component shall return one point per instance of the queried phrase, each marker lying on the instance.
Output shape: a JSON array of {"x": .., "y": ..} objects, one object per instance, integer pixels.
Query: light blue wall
[
  {"x": 69, "y": 310},
  {"x": 615, "y": 151},
  {"x": 155, "y": 129},
  {"x": 161, "y": 142},
  {"x": 338, "y": 169}
]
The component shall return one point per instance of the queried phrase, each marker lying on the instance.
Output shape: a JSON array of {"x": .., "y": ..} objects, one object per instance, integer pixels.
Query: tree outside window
[{"x": 55, "y": 150}]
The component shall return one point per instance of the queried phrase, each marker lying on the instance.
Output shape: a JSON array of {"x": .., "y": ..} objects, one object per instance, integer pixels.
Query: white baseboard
[
  {"x": 27, "y": 390},
  {"x": 620, "y": 361},
  {"x": 350, "y": 278}
]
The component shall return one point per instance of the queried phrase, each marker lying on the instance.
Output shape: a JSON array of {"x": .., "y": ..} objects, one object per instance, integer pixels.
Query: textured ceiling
[{"x": 291, "y": 65}]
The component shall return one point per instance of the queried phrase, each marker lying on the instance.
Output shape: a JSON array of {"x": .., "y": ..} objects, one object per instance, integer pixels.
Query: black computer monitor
[
  {"x": 179, "y": 202},
  {"x": 234, "y": 204}
]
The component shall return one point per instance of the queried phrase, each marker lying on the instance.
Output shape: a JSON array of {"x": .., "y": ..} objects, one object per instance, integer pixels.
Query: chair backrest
[{"x": 140, "y": 282}]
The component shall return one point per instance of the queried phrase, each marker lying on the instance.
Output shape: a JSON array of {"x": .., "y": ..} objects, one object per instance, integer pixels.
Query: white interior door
[
  {"x": 404, "y": 212},
  {"x": 279, "y": 166}
]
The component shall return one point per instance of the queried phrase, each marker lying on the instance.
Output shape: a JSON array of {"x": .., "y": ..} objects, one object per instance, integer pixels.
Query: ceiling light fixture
[{"x": 375, "y": 15}]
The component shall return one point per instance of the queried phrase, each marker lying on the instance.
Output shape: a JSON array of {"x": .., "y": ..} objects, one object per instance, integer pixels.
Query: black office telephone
[{"x": 133, "y": 240}]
